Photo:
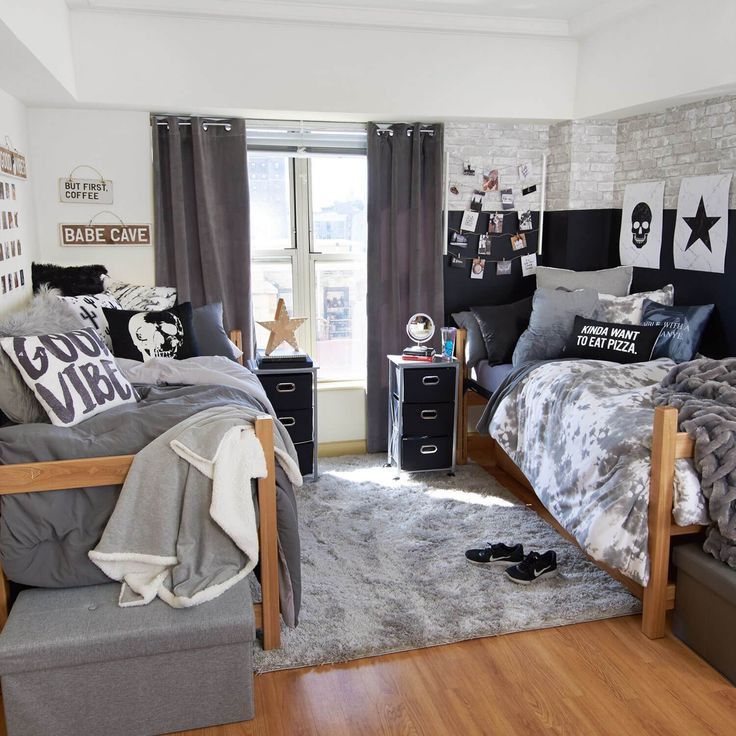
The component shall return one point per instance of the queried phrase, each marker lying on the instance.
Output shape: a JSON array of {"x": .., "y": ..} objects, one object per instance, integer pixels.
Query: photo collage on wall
[{"x": 12, "y": 270}]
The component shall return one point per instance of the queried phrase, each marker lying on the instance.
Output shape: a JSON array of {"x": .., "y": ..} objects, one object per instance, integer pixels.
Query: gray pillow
[
  {"x": 46, "y": 314},
  {"x": 501, "y": 327},
  {"x": 475, "y": 348},
  {"x": 628, "y": 310},
  {"x": 211, "y": 336},
  {"x": 616, "y": 281},
  {"x": 551, "y": 323}
]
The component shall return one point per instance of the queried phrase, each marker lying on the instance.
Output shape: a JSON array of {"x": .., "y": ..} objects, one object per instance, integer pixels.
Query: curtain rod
[
  {"x": 409, "y": 131},
  {"x": 206, "y": 122}
]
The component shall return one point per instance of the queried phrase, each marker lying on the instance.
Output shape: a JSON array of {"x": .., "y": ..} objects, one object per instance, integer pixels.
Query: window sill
[{"x": 333, "y": 385}]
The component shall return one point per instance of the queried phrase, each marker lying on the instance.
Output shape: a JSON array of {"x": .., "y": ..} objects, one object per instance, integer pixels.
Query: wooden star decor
[{"x": 282, "y": 328}]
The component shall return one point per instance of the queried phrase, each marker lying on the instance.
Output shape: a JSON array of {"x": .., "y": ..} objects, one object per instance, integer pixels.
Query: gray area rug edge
[{"x": 384, "y": 570}]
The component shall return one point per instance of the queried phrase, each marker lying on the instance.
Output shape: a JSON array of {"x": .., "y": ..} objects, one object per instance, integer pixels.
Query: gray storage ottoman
[
  {"x": 705, "y": 607},
  {"x": 73, "y": 662}
]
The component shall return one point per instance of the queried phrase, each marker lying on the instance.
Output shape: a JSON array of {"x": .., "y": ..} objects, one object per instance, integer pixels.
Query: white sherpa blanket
[{"x": 184, "y": 527}]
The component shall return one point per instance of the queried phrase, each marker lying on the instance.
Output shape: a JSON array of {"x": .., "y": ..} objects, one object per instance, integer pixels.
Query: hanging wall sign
[
  {"x": 89, "y": 234},
  {"x": 640, "y": 241},
  {"x": 12, "y": 163},
  {"x": 87, "y": 191}
]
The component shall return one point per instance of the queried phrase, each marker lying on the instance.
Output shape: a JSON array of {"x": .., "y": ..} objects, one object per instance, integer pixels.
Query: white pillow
[
  {"x": 629, "y": 310},
  {"x": 89, "y": 309},
  {"x": 73, "y": 375},
  {"x": 142, "y": 298}
]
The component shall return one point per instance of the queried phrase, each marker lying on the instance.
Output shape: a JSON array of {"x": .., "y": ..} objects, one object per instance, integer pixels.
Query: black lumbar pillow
[
  {"x": 618, "y": 343},
  {"x": 70, "y": 280},
  {"x": 145, "y": 335},
  {"x": 501, "y": 327},
  {"x": 682, "y": 329}
]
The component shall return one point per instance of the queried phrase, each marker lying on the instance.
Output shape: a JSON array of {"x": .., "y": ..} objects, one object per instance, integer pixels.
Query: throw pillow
[
  {"x": 551, "y": 322},
  {"x": 475, "y": 349},
  {"x": 682, "y": 329},
  {"x": 89, "y": 308},
  {"x": 616, "y": 281},
  {"x": 629, "y": 310},
  {"x": 618, "y": 343},
  {"x": 145, "y": 335},
  {"x": 70, "y": 280},
  {"x": 44, "y": 314},
  {"x": 142, "y": 298},
  {"x": 501, "y": 327},
  {"x": 73, "y": 374},
  {"x": 210, "y": 332}
]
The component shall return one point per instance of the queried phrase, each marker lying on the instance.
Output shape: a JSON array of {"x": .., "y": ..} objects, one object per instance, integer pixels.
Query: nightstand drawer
[
  {"x": 288, "y": 391},
  {"x": 426, "y": 453},
  {"x": 429, "y": 385},
  {"x": 298, "y": 424},
  {"x": 432, "y": 420},
  {"x": 305, "y": 453}
]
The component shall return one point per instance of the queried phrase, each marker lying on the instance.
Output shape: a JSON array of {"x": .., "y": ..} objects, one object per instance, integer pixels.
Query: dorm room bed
[
  {"x": 667, "y": 446},
  {"x": 100, "y": 472}
]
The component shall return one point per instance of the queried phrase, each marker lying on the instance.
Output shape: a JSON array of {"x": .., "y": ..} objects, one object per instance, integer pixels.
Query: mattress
[{"x": 490, "y": 376}]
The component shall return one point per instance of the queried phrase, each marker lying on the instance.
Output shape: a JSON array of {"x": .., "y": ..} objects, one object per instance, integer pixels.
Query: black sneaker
[
  {"x": 495, "y": 554},
  {"x": 533, "y": 567}
]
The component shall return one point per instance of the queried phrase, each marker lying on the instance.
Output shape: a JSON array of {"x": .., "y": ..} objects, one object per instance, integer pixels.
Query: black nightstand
[
  {"x": 422, "y": 414},
  {"x": 293, "y": 393}
]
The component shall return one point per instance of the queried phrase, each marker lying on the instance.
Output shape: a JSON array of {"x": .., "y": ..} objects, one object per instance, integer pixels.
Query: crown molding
[{"x": 325, "y": 14}]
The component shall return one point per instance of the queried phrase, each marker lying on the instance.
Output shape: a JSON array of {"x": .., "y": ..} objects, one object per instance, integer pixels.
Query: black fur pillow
[{"x": 70, "y": 280}]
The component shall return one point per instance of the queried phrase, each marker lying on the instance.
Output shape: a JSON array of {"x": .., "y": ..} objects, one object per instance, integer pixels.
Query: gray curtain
[
  {"x": 202, "y": 217},
  {"x": 405, "y": 245}
]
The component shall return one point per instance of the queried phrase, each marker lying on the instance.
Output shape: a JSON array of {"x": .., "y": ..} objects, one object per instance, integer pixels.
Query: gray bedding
[{"x": 45, "y": 537}]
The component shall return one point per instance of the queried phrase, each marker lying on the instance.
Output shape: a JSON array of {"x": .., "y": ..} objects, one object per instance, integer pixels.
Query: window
[{"x": 308, "y": 241}]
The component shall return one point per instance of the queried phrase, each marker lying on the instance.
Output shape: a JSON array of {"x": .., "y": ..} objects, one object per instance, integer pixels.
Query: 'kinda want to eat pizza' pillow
[
  {"x": 168, "y": 333},
  {"x": 618, "y": 343},
  {"x": 72, "y": 374}
]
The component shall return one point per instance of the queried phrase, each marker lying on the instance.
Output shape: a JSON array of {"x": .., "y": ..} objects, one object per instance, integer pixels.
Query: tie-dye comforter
[{"x": 581, "y": 432}]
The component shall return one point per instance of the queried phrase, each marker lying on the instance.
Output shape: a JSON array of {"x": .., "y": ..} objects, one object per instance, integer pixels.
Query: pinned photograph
[
  {"x": 503, "y": 268},
  {"x": 490, "y": 181},
  {"x": 525, "y": 171},
  {"x": 2, "y": 252},
  {"x": 454, "y": 189},
  {"x": 20, "y": 252},
  {"x": 495, "y": 223},
  {"x": 525, "y": 219},
  {"x": 5, "y": 220},
  {"x": 15, "y": 278},
  {"x": 22, "y": 277},
  {"x": 478, "y": 268},
  {"x": 12, "y": 191},
  {"x": 507, "y": 199},
  {"x": 456, "y": 262},
  {"x": 2, "y": 192},
  {"x": 12, "y": 248},
  {"x": 476, "y": 203},
  {"x": 529, "y": 264},
  {"x": 518, "y": 241},
  {"x": 8, "y": 190},
  {"x": 468, "y": 169},
  {"x": 5, "y": 286},
  {"x": 458, "y": 239},
  {"x": 469, "y": 221},
  {"x": 526, "y": 191},
  {"x": 484, "y": 245}
]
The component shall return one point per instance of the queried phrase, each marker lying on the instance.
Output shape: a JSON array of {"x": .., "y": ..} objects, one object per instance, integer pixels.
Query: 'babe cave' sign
[{"x": 86, "y": 234}]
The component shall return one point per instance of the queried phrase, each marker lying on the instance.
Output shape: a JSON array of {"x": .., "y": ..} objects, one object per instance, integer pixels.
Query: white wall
[
  {"x": 13, "y": 123},
  {"x": 118, "y": 144}
]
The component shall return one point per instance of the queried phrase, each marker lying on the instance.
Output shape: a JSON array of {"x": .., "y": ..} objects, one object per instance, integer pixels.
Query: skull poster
[
  {"x": 701, "y": 227},
  {"x": 640, "y": 242}
]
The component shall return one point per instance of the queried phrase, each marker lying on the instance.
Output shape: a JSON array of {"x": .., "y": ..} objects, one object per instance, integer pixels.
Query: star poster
[
  {"x": 640, "y": 242},
  {"x": 701, "y": 230}
]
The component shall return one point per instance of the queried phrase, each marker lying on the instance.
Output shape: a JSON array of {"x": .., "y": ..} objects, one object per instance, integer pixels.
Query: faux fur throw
[{"x": 704, "y": 393}]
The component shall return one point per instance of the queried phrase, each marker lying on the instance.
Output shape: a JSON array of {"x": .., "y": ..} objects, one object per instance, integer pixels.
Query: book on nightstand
[{"x": 283, "y": 360}]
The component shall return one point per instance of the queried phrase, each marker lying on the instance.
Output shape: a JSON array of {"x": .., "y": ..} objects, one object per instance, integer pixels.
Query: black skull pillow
[{"x": 145, "y": 335}]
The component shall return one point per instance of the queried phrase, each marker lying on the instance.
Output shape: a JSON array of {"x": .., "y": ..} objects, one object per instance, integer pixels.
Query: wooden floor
[{"x": 603, "y": 677}]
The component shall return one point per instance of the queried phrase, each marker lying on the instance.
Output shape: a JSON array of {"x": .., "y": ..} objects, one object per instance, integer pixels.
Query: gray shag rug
[{"x": 383, "y": 567}]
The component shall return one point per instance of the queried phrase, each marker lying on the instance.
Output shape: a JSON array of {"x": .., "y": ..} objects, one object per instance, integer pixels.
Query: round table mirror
[{"x": 420, "y": 328}]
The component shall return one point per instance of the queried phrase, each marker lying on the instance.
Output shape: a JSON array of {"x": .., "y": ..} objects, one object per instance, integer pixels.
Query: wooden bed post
[
  {"x": 4, "y": 598},
  {"x": 660, "y": 519},
  {"x": 236, "y": 336},
  {"x": 268, "y": 539},
  {"x": 461, "y": 431}
]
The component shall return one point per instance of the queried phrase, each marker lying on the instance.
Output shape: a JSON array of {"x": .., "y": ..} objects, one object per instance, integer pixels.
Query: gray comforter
[
  {"x": 704, "y": 392},
  {"x": 45, "y": 537}
]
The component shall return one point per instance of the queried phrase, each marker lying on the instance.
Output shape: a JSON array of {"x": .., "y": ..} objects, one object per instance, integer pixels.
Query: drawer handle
[
  {"x": 430, "y": 380},
  {"x": 428, "y": 449},
  {"x": 286, "y": 388},
  {"x": 428, "y": 414},
  {"x": 287, "y": 421}
]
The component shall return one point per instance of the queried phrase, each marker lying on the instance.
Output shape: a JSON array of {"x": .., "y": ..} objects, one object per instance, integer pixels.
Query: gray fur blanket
[{"x": 704, "y": 393}]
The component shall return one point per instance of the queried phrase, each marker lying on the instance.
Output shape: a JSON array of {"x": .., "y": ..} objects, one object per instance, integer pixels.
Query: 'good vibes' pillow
[
  {"x": 72, "y": 374},
  {"x": 618, "y": 343}
]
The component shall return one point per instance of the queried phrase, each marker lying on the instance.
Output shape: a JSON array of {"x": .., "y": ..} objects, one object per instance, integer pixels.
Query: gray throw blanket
[
  {"x": 704, "y": 393},
  {"x": 184, "y": 527}
]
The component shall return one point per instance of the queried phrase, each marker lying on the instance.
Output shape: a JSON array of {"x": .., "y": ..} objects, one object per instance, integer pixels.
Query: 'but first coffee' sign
[
  {"x": 122, "y": 234},
  {"x": 92, "y": 191}
]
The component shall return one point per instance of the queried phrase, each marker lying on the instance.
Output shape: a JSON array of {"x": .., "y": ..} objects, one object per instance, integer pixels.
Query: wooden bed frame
[
  {"x": 668, "y": 445},
  {"x": 106, "y": 471}
]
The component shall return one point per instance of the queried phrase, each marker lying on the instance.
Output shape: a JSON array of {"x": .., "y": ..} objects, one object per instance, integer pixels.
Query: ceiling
[{"x": 560, "y": 18}]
